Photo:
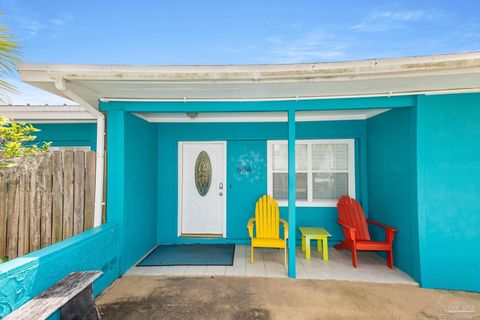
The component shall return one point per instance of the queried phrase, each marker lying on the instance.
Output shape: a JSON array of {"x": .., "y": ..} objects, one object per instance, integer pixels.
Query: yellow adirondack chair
[{"x": 267, "y": 226}]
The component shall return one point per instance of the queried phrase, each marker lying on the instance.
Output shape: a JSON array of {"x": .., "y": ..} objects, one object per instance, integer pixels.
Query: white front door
[{"x": 202, "y": 186}]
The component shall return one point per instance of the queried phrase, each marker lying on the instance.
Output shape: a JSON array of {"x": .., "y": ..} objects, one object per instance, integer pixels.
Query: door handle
[{"x": 220, "y": 186}]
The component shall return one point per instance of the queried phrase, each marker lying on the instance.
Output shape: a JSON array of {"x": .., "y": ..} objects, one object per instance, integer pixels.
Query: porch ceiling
[
  {"x": 376, "y": 77},
  {"x": 301, "y": 116}
]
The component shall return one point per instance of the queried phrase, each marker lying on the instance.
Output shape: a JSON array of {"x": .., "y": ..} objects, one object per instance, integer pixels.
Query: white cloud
[
  {"x": 386, "y": 20},
  {"x": 375, "y": 27},
  {"x": 412, "y": 15},
  {"x": 29, "y": 95},
  {"x": 274, "y": 39},
  {"x": 58, "y": 22},
  {"x": 310, "y": 47},
  {"x": 30, "y": 27}
]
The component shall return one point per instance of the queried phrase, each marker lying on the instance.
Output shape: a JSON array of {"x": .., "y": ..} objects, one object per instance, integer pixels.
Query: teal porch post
[
  {"x": 116, "y": 176},
  {"x": 292, "y": 197}
]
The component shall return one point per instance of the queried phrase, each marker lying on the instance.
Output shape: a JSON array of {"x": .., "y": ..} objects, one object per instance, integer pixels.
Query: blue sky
[{"x": 226, "y": 32}]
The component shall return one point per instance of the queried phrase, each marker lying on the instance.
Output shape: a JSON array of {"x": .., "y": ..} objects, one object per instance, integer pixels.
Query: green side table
[{"x": 313, "y": 233}]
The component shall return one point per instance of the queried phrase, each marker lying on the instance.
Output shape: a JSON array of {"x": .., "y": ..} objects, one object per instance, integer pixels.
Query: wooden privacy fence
[{"x": 49, "y": 205}]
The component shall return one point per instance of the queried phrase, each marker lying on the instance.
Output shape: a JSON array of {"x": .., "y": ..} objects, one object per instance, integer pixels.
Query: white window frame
[
  {"x": 72, "y": 148},
  {"x": 310, "y": 202}
]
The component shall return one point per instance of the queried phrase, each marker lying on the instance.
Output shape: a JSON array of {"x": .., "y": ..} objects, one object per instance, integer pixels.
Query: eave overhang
[{"x": 438, "y": 74}]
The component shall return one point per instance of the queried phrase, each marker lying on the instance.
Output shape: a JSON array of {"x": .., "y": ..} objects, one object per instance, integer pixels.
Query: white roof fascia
[
  {"x": 448, "y": 63},
  {"x": 47, "y": 114}
]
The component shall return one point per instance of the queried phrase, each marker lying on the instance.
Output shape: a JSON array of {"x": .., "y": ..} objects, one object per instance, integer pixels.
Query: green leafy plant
[
  {"x": 18, "y": 151},
  {"x": 14, "y": 136},
  {"x": 3, "y": 259}
]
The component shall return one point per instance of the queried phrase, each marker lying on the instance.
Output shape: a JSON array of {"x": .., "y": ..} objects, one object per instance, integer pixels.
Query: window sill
[{"x": 313, "y": 204}]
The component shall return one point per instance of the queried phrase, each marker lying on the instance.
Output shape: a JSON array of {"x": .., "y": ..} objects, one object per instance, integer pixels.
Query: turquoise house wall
[
  {"x": 23, "y": 278},
  {"x": 244, "y": 188},
  {"x": 132, "y": 184},
  {"x": 449, "y": 190},
  {"x": 140, "y": 189},
  {"x": 246, "y": 142},
  {"x": 68, "y": 134},
  {"x": 392, "y": 196}
]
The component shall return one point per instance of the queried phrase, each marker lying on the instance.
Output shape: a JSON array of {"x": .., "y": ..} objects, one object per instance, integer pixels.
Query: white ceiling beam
[{"x": 301, "y": 116}]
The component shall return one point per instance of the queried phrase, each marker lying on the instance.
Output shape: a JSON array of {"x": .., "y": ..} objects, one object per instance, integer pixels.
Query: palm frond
[
  {"x": 9, "y": 51},
  {"x": 9, "y": 57}
]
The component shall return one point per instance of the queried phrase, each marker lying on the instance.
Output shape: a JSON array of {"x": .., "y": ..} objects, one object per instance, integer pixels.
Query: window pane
[
  {"x": 301, "y": 186},
  {"x": 322, "y": 157},
  {"x": 327, "y": 157},
  {"x": 341, "y": 156},
  {"x": 317, "y": 155},
  {"x": 329, "y": 186},
  {"x": 280, "y": 186},
  {"x": 280, "y": 156},
  {"x": 301, "y": 157}
]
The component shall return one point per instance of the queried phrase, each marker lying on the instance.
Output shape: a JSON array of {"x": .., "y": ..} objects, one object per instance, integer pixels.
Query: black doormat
[{"x": 190, "y": 255}]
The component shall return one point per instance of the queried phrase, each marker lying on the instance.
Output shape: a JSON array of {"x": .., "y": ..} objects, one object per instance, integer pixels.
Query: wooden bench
[{"x": 73, "y": 295}]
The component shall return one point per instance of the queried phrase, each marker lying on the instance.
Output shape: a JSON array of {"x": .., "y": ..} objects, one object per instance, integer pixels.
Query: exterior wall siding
[
  {"x": 68, "y": 134},
  {"x": 139, "y": 236},
  {"x": 132, "y": 184},
  {"x": 392, "y": 195},
  {"x": 449, "y": 190}
]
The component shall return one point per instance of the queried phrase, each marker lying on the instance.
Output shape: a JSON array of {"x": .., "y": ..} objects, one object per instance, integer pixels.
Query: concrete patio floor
[
  {"x": 269, "y": 263},
  {"x": 246, "y": 298}
]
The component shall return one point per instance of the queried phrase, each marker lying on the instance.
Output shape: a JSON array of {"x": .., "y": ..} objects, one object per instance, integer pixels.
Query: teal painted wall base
[{"x": 24, "y": 278}]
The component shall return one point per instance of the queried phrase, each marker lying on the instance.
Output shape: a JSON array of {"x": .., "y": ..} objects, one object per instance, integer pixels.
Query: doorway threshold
[{"x": 201, "y": 235}]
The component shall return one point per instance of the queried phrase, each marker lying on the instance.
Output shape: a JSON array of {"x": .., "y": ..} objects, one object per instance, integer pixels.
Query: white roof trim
[
  {"x": 449, "y": 73},
  {"x": 257, "y": 72},
  {"x": 47, "y": 114},
  {"x": 301, "y": 116}
]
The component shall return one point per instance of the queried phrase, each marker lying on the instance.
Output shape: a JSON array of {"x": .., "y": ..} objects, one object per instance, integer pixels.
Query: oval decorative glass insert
[{"x": 203, "y": 173}]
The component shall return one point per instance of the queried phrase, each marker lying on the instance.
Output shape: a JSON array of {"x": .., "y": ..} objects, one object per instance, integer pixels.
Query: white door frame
[{"x": 180, "y": 184}]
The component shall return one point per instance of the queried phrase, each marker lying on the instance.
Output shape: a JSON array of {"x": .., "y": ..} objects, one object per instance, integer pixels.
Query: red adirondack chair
[{"x": 357, "y": 238}]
